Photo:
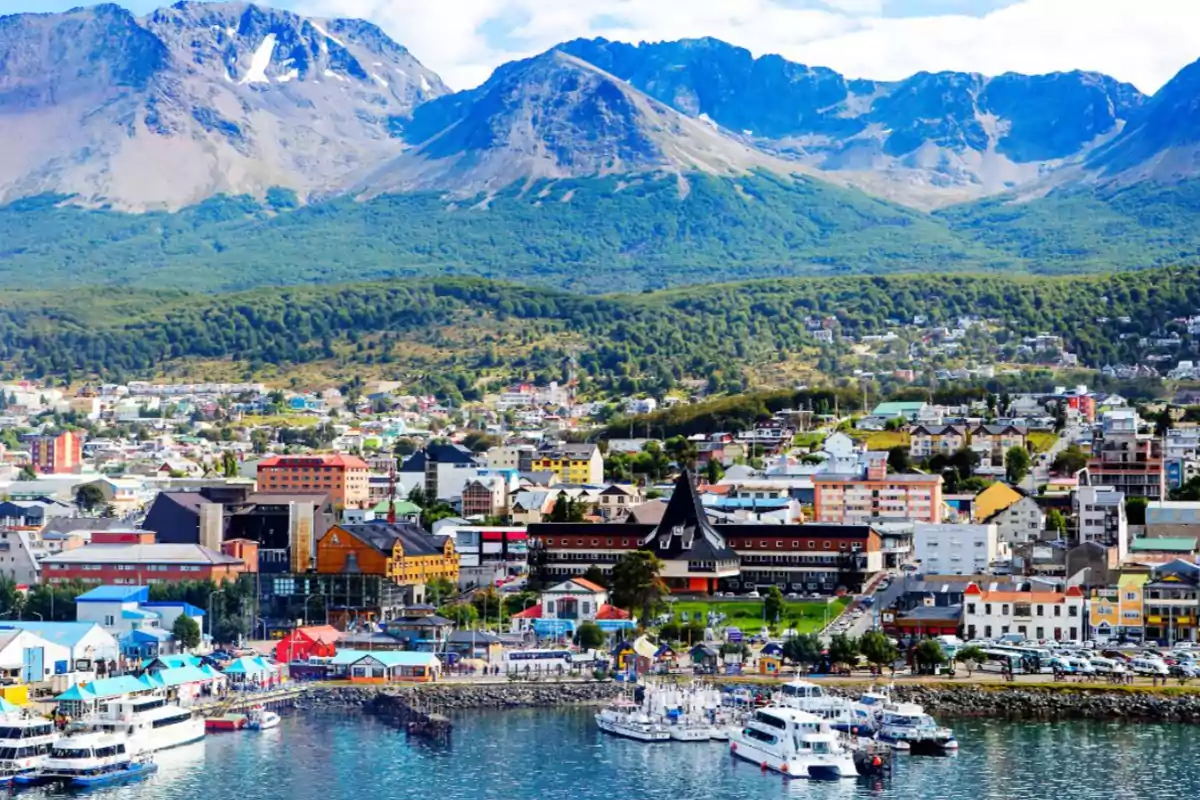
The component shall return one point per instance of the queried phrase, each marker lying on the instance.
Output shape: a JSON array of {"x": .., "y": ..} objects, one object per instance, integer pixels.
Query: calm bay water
[{"x": 557, "y": 755}]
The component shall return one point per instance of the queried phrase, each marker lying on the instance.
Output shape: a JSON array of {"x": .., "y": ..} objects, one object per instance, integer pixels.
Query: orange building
[
  {"x": 344, "y": 478},
  {"x": 403, "y": 552},
  {"x": 57, "y": 455},
  {"x": 878, "y": 495}
]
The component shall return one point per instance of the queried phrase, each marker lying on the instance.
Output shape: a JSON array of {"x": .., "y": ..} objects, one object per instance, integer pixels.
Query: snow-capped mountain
[{"x": 195, "y": 100}]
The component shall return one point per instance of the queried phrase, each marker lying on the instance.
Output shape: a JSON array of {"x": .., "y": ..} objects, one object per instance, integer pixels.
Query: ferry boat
[
  {"x": 795, "y": 744},
  {"x": 25, "y": 742},
  {"x": 908, "y": 727},
  {"x": 149, "y": 723},
  {"x": 260, "y": 719},
  {"x": 840, "y": 712},
  {"x": 89, "y": 759},
  {"x": 627, "y": 719}
]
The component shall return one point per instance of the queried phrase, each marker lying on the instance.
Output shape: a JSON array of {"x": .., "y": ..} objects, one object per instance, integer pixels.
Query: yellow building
[
  {"x": 1117, "y": 610},
  {"x": 572, "y": 463},
  {"x": 403, "y": 552},
  {"x": 996, "y": 497}
]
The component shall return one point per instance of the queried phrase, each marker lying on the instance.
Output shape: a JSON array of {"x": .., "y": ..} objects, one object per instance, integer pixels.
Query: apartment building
[
  {"x": 855, "y": 499},
  {"x": 926, "y": 441},
  {"x": 946, "y": 549},
  {"x": 1099, "y": 513},
  {"x": 993, "y": 442},
  {"x": 1124, "y": 459},
  {"x": 580, "y": 464},
  {"x": 344, "y": 478},
  {"x": 56, "y": 455}
]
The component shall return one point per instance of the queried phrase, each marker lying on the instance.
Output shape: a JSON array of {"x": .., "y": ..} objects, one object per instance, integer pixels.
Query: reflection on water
[{"x": 552, "y": 755}]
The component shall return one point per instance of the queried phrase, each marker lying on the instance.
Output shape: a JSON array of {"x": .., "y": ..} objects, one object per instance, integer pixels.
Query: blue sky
[{"x": 1144, "y": 42}]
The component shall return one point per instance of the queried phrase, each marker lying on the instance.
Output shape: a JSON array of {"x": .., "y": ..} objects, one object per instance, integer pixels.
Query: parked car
[{"x": 753, "y": 593}]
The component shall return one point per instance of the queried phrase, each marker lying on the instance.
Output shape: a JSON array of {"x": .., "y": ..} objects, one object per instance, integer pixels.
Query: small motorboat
[{"x": 260, "y": 719}]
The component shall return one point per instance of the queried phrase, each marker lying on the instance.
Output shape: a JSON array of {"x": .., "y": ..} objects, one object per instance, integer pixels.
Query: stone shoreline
[
  {"x": 443, "y": 697},
  {"x": 999, "y": 701}
]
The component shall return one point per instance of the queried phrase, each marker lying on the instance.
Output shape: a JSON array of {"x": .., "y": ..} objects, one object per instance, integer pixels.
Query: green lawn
[
  {"x": 1042, "y": 441},
  {"x": 805, "y": 616},
  {"x": 883, "y": 440}
]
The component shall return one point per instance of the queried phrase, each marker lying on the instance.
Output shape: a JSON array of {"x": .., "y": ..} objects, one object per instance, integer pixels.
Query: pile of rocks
[
  {"x": 457, "y": 696},
  {"x": 1052, "y": 703}
]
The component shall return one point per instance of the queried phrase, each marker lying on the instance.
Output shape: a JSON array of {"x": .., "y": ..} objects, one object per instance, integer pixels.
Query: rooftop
[
  {"x": 1165, "y": 544},
  {"x": 185, "y": 554}
]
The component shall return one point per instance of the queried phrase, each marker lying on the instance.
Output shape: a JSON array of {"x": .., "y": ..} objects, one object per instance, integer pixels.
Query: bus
[
  {"x": 999, "y": 657},
  {"x": 554, "y": 661}
]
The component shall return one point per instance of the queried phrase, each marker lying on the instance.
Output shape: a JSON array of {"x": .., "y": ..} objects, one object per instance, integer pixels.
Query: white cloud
[{"x": 1144, "y": 43}]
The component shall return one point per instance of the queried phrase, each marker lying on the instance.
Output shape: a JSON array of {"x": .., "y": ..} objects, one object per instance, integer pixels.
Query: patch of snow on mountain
[
  {"x": 327, "y": 35},
  {"x": 260, "y": 61},
  {"x": 379, "y": 80}
]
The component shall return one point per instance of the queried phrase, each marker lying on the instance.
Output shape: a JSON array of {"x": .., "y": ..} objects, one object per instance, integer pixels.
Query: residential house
[
  {"x": 926, "y": 441},
  {"x": 994, "y": 498},
  {"x": 616, "y": 500},
  {"x": 1115, "y": 612},
  {"x": 1171, "y": 602},
  {"x": 993, "y": 442},
  {"x": 1019, "y": 522},
  {"x": 1032, "y": 614},
  {"x": 486, "y": 496}
]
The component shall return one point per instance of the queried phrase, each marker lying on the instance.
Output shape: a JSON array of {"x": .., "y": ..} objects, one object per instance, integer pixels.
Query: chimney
[{"x": 212, "y": 525}]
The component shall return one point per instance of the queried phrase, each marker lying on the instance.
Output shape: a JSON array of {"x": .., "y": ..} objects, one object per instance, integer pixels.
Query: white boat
[
  {"x": 840, "y": 712},
  {"x": 25, "y": 742},
  {"x": 87, "y": 759},
  {"x": 628, "y": 720},
  {"x": 906, "y": 726},
  {"x": 261, "y": 719},
  {"x": 690, "y": 713},
  {"x": 794, "y": 743},
  {"x": 149, "y": 722}
]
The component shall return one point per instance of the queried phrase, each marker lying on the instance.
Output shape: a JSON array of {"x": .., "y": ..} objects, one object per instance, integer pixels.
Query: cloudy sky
[{"x": 1144, "y": 42}]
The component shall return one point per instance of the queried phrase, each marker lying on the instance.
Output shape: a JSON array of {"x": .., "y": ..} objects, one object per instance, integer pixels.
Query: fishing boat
[
  {"x": 627, "y": 719},
  {"x": 906, "y": 726},
  {"x": 261, "y": 719},
  {"x": 89, "y": 759},
  {"x": 794, "y": 743}
]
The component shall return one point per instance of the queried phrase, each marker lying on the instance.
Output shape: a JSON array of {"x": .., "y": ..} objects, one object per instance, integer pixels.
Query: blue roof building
[{"x": 85, "y": 642}]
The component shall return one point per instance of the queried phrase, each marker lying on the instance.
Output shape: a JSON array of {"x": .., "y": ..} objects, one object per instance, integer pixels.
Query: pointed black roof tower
[{"x": 684, "y": 532}]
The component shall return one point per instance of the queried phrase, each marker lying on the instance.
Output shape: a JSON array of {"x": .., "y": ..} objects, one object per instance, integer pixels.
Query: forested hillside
[{"x": 449, "y": 333}]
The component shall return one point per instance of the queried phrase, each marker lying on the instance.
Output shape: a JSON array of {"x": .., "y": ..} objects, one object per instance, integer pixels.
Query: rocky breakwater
[
  {"x": 447, "y": 697},
  {"x": 1054, "y": 703}
]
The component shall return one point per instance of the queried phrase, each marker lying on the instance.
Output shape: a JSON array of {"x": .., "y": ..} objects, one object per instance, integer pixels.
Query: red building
[
  {"x": 57, "y": 455},
  {"x": 344, "y": 478},
  {"x": 140, "y": 564},
  {"x": 319, "y": 641}
]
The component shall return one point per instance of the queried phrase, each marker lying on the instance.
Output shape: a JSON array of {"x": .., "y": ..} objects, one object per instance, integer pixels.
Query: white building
[
  {"x": 1034, "y": 614},
  {"x": 944, "y": 549},
  {"x": 27, "y": 657},
  {"x": 1021, "y": 522},
  {"x": 84, "y": 642},
  {"x": 1100, "y": 516}
]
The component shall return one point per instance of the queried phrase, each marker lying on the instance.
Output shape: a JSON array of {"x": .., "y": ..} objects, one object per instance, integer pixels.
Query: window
[
  {"x": 1058, "y": 611},
  {"x": 1041, "y": 612},
  {"x": 970, "y": 608},
  {"x": 1073, "y": 611},
  {"x": 987, "y": 609},
  {"x": 828, "y": 545},
  {"x": 1004, "y": 610}
]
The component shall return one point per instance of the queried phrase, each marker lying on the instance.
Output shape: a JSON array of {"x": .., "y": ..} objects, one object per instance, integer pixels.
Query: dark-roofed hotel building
[{"x": 700, "y": 557}]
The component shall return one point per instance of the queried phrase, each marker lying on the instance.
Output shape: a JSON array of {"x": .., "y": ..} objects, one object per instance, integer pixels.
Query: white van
[
  {"x": 1150, "y": 666},
  {"x": 1081, "y": 665},
  {"x": 1107, "y": 666}
]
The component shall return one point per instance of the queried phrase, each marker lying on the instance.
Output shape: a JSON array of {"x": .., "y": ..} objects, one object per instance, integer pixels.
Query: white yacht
[
  {"x": 908, "y": 727},
  {"x": 149, "y": 722},
  {"x": 794, "y": 743},
  {"x": 690, "y": 713},
  {"x": 627, "y": 719},
  {"x": 838, "y": 711},
  {"x": 25, "y": 742},
  {"x": 89, "y": 759}
]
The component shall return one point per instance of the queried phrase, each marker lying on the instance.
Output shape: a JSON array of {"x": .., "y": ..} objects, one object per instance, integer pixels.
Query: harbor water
[{"x": 559, "y": 755}]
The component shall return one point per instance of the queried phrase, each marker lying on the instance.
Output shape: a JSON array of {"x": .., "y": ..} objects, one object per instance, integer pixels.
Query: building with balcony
[
  {"x": 860, "y": 499},
  {"x": 993, "y": 442},
  {"x": 1034, "y": 615},
  {"x": 1171, "y": 602},
  {"x": 1124, "y": 459},
  {"x": 56, "y": 455},
  {"x": 1099, "y": 513},
  {"x": 926, "y": 441},
  {"x": 579, "y": 464}
]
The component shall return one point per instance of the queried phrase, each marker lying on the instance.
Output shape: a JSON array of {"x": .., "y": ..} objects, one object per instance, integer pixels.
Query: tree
[
  {"x": 713, "y": 471},
  {"x": 487, "y": 603},
  {"x": 1189, "y": 491},
  {"x": 1069, "y": 460},
  {"x": 461, "y": 614},
  {"x": 439, "y": 590},
  {"x": 898, "y": 459},
  {"x": 877, "y": 649},
  {"x": 929, "y": 654},
  {"x": 1055, "y": 521},
  {"x": 566, "y": 509},
  {"x": 229, "y": 464},
  {"x": 596, "y": 576},
  {"x": 1163, "y": 423},
  {"x": 589, "y": 636},
  {"x": 636, "y": 583},
  {"x": 773, "y": 605},
  {"x": 1016, "y": 464},
  {"x": 89, "y": 497},
  {"x": 186, "y": 632},
  {"x": 804, "y": 649},
  {"x": 843, "y": 649},
  {"x": 27, "y": 474},
  {"x": 970, "y": 657},
  {"x": 1135, "y": 510}
]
